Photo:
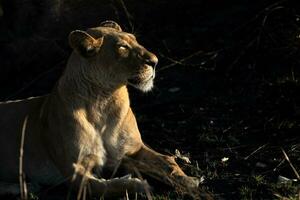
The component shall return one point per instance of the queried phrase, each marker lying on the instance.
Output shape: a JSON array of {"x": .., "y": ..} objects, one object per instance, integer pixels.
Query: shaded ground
[{"x": 227, "y": 85}]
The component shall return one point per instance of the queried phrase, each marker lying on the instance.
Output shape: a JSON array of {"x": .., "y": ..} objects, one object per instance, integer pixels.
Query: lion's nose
[
  {"x": 152, "y": 60},
  {"x": 148, "y": 58}
]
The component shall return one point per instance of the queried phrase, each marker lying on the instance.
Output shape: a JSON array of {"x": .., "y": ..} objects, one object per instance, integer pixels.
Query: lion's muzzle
[{"x": 143, "y": 80}]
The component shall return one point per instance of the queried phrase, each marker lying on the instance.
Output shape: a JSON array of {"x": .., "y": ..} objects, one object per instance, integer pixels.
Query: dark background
[{"x": 227, "y": 82}]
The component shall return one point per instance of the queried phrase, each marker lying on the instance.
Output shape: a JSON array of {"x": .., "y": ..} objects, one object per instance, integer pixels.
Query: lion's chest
[
  {"x": 109, "y": 132},
  {"x": 100, "y": 132}
]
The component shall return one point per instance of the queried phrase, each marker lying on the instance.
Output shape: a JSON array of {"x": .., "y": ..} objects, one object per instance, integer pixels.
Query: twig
[
  {"x": 265, "y": 13},
  {"x": 290, "y": 163},
  {"x": 23, "y": 187},
  {"x": 181, "y": 61},
  {"x": 139, "y": 175},
  {"x": 242, "y": 53},
  {"x": 128, "y": 16},
  {"x": 277, "y": 166},
  {"x": 260, "y": 13},
  {"x": 112, "y": 176},
  {"x": 116, "y": 169},
  {"x": 82, "y": 187},
  {"x": 84, "y": 193},
  {"x": 126, "y": 193},
  {"x": 74, "y": 176},
  {"x": 41, "y": 75},
  {"x": 264, "y": 21},
  {"x": 259, "y": 148}
]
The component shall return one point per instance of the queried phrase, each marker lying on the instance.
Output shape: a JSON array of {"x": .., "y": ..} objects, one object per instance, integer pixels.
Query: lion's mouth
[
  {"x": 134, "y": 81},
  {"x": 144, "y": 84}
]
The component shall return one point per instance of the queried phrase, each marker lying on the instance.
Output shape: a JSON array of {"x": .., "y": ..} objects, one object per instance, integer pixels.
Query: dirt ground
[{"x": 226, "y": 93}]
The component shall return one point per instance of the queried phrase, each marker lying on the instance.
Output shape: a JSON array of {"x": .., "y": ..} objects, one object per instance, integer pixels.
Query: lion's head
[{"x": 113, "y": 56}]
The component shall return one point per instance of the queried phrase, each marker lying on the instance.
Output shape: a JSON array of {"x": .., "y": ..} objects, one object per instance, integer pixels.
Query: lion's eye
[
  {"x": 123, "y": 50},
  {"x": 123, "y": 47}
]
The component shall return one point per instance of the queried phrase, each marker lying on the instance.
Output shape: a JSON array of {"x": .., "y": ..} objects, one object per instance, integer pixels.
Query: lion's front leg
[
  {"x": 84, "y": 182},
  {"x": 116, "y": 187},
  {"x": 160, "y": 167}
]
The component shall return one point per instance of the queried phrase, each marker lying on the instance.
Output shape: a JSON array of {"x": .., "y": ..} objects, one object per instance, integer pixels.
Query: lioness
[{"x": 86, "y": 123}]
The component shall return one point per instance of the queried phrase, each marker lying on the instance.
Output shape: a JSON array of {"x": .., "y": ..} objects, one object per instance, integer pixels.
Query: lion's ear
[
  {"x": 84, "y": 44},
  {"x": 111, "y": 24}
]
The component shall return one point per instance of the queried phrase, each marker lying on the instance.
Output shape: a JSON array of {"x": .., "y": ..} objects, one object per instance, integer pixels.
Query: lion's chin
[{"x": 144, "y": 86}]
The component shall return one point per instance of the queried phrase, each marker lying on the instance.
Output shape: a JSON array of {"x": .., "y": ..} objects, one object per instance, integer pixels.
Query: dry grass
[{"x": 23, "y": 186}]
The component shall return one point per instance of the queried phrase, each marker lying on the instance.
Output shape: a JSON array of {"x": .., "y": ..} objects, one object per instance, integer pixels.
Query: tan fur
[{"x": 86, "y": 123}]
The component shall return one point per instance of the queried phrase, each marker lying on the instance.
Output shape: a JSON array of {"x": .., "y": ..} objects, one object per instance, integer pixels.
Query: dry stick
[
  {"x": 264, "y": 21},
  {"x": 23, "y": 187},
  {"x": 84, "y": 181},
  {"x": 116, "y": 168},
  {"x": 30, "y": 83},
  {"x": 259, "y": 148},
  {"x": 82, "y": 186},
  {"x": 277, "y": 166},
  {"x": 270, "y": 9},
  {"x": 256, "y": 40},
  {"x": 260, "y": 13},
  {"x": 181, "y": 62},
  {"x": 128, "y": 16},
  {"x": 292, "y": 166},
  {"x": 74, "y": 174},
  {"x": 112, "y": 176},
  {"x": 183, "y": 59},
  {"x": 139, "y": 175},
  {"x": 242, "y": 53},
  {"x": 84, "y": 193},
  {"x": 127, "y": 197}
]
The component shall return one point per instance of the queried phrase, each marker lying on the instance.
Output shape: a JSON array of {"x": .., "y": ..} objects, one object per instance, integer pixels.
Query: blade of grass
[
  {"x": 23, "y": 186},
  {"x": 290, "y": 163}
]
